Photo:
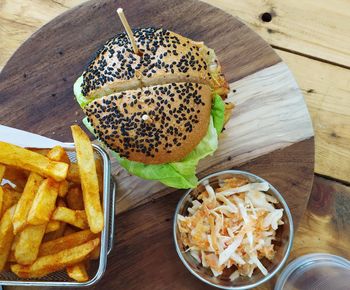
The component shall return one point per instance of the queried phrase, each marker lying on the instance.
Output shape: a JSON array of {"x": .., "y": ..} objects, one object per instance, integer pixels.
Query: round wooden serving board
[{"x": 270, "y": 133}]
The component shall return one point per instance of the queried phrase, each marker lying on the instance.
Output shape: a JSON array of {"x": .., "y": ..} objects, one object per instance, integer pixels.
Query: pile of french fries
[{"x": 50, "y": 209}]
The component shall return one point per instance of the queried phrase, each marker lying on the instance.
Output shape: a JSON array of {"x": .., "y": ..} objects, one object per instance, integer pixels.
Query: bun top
[
  {"x": 166, "y": 57},
  {"x": 154, "y": 107},
  {"x": 158, "y": 124}
]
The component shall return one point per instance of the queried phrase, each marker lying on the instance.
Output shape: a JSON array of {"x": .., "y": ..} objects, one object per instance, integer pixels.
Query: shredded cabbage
[
  {"x": 233, "y": 232},
  {"x": 210, "y": 191},
  {"x": 234, "y": 275},
  {"x": 263, "y": 186},
  {"x": 227, "y": 253}
]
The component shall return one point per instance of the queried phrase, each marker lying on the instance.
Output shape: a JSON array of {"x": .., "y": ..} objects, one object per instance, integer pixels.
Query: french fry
[
  {"x": 74, "y": 198},
  {"x": 60, "y": 231},
  {"x": 39, "y": 150},
  {"x": 15, "y": 241},
  {"x": 10, "y": 197},
  {"x": 17, "y": 156},
  {"x": 2, "y": 172},
  {"x": 69, "y": 230},
  {"x": 8, "y": 187},
  {"x": 25, "y": 202},
  {"x": 65, "y": 242},
  {"x": 44, "y": 202},
  {"x": 75, "y": 218},
  {"x": 52, "y": 226},
  {"x": 89, "y": 180},
  {"x": 99, "y": 171},
  {"x": 78, "y": 272},
  {"x": 11, "y": 257},
  {"x": 60, "y": 202},
  {"x": 16, "y": 176},
  {"x": 63, "y": 188},
  {"x": 57, "y": 153},
  {"x": 38, "y": 230},
  {"x": 51, "y": 263},
  {"x": 73, "y": 173},
  {"x": 1, "y": 200},
  {"x": 95, "y": 254},
  {"x": 28, "y": 244},
  {"x": 7, "y": 267},
  {"x": 6, "y": 236}
]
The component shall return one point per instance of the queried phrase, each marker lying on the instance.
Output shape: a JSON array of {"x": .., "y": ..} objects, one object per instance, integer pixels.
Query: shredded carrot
[{"x": 232, "y": 226}]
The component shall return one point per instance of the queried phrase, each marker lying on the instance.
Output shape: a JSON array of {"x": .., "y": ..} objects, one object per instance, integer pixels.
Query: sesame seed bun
[
  {"x": 154, "y": 107},
  {"x": 153, "y": 125},
  {"x": 166, "y": 57}
]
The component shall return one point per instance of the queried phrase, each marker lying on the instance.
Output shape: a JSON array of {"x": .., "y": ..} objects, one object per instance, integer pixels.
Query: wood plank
[
  {"x": 258, "y": 126},
  {"x": 324, "y": 33},
  {"x": 319, "y": 29},
  {"x": 20, "y": 19},
  {"x": 327, "y": 218},
  {"x": 327, "y": 92}
]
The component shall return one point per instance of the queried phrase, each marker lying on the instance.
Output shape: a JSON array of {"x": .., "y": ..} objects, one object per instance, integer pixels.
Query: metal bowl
[
  {"x": 60, "y": 278},
  {"x": 283, "y": 242}
]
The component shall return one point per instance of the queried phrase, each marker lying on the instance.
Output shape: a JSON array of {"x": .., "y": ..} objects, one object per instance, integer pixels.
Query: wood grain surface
[
  {"x": 258, "y": 126},
  {"x": 48, "y": 77},
  {"x": 324, "y": 227},
  {"x": 324, "y": 80},
  {"x": 327, "y": 95},
  {"x": 328, "y": 217},
  {"x": 270, "y": 111},
  {"x": 312, "y": 28},
  {"x": 313, "y": 38}
]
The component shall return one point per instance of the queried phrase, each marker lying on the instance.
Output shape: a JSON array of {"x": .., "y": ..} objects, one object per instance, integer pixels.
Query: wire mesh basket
[{"x": 97, "y": 267}]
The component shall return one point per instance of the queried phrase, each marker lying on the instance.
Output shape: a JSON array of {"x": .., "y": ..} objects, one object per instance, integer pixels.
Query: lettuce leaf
[
  {"x": 218, "y": 113},
  {"x": 88, "y": 126},
  {"x": 81, "y": 99},
  {"x": 180, "y": 174},
  {"x": 175, "y": 174}
]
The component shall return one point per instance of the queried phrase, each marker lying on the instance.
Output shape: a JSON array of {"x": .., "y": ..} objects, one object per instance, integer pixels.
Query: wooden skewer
[{"x": 128, "y": 30}]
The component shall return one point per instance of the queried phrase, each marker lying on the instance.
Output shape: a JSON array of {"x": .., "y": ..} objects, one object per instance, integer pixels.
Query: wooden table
[{"x": 313, "y": 38}]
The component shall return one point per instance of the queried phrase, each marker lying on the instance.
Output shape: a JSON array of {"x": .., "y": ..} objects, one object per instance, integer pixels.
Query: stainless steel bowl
[
  {"x": 61, "y": 279},
  {"x": 283, "y": 242}
]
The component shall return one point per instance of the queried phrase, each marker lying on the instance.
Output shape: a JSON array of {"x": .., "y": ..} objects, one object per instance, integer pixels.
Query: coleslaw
[{"x": 231, "y": 228}]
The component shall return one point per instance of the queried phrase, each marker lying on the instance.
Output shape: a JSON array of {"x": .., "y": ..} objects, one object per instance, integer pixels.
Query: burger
[{"x": 160, "y": 110}]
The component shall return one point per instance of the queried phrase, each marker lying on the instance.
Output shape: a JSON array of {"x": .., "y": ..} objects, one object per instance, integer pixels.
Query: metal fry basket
[{"x": 97, "y": 267}]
